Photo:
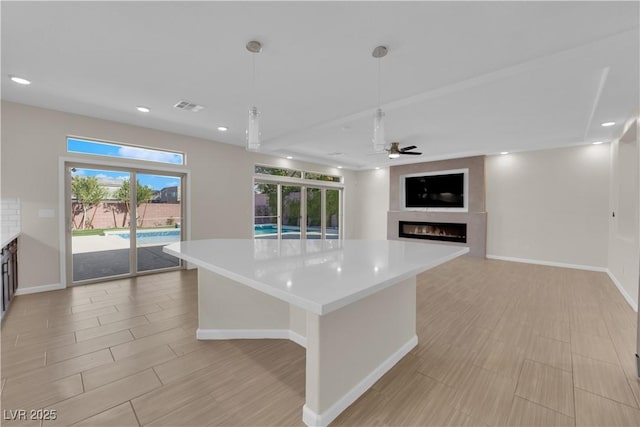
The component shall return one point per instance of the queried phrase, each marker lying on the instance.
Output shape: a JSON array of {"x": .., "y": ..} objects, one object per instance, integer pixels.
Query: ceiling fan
[{"x": 395, "y": 151}]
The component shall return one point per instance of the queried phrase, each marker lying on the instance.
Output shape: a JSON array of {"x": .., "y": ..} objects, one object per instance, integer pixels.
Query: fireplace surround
[{"x": 474, "y": 219}]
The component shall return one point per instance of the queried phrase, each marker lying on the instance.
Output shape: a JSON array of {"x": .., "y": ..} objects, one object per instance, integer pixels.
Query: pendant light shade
[
  {"x": 253, "y": 123},
  {"x": 253, "y": 129},
  {"x": 378, "y": 118},
  {"x": 378, "y": 131}
]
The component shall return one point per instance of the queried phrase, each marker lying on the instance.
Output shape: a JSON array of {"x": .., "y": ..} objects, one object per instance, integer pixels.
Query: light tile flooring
[{"x": 500, "y": 344}]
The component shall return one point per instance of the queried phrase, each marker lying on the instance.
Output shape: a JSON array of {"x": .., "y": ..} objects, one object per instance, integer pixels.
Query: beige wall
[
  {"x": 624, "y": 232},
  {"x": 550, "y": 205},
  {"x": 33, "y": 140},
  {"x": 371, "y": 195}
]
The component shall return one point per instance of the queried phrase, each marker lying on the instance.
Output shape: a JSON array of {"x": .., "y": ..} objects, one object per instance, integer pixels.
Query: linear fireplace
[{"x": 444, "y": 231}]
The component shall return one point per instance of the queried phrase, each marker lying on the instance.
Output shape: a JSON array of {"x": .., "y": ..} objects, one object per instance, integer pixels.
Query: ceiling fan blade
[
  {"x": 415, "y": 153},
  {"x": 411, "y": 147}
]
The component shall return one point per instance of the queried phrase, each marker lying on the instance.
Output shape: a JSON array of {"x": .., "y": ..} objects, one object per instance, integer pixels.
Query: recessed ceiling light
[
  {"x": 20, "y": 80},
  {"x": 597, "y": 142},
  {"x": 223, "y": 128},
  {"x": 289, "y": 157},
  {"x": 339, "y": 167},
  {"x": 377, "y": 167},
  {"x": 504, "y": 152},
  {"x": 607, "y": 124},
  {"x": 143, "y": 109}
]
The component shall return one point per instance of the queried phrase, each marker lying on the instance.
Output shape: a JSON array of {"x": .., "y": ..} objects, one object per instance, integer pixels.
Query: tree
[
  {"x": 89, "y": 193},
  {"x": 144, "y": 194},
  {"x": 333, "y": 205},
  {"x": 272, "y": 189}
]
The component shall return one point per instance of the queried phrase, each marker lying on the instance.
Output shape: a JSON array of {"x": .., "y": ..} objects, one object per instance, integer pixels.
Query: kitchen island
[{"x": 350, "y": 303}]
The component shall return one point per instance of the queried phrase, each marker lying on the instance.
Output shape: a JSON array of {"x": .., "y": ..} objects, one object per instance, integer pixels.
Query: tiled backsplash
[{"x": 10, "y": 215}]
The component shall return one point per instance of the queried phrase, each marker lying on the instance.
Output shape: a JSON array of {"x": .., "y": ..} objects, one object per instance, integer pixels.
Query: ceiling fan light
[
  {"x": 378, "y": 131},
  {"x": 253, "y": 130},
  {"x": 394, "y": 155}
]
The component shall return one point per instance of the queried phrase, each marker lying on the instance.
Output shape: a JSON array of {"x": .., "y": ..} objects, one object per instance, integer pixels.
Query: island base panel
[
  {"x": 228, "y": 310},
  {"x": 349, "y": 349}
]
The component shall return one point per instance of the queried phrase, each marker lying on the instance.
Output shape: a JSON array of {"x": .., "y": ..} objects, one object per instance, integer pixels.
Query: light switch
[{"x": 46, "y": 213}]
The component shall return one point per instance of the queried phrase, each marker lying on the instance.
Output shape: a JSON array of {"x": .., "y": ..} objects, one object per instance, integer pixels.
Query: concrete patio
[{"x": 104, "y": 256}]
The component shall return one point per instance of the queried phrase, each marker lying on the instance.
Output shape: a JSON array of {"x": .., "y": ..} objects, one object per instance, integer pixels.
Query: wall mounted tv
[{"x": 435, "y": 191}]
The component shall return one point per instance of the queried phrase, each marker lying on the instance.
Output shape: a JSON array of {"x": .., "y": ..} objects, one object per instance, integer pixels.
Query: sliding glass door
[
  {"x": 116, "y": 228},
  {"x": 314, "y": 213},
  {"x": 332, "y": 214},
  {"x": 98, "y": 223},
  {"x": 285, "y": 211},
  {"x": 290, "y": 211},
  {"x": 266, "y": 224},
  {"x": 158, "y": 220}
]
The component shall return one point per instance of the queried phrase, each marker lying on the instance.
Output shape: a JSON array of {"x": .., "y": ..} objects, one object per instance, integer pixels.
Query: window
[
  {"x": 111, "y": 149},
  {"x": 322, "y": 177},
  {"x": 294, "y": 173},
  {"x": 267, "y": 170},
  {"x": 295, "y": 204}
]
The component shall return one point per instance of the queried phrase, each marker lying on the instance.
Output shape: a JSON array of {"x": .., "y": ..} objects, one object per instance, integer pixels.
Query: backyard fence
[{"x": 115, "y": 215}]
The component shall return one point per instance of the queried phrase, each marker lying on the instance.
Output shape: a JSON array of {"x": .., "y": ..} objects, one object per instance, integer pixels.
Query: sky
[{"x": 156, "y": 182}]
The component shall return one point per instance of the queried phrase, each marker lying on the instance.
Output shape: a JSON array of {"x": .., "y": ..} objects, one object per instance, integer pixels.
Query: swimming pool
[
  {"x": 164, "y": 237},
  {"x": 270, "y": 231},
  {"x": 261, "y": 229},
  {"x": 150, "y": 237}
]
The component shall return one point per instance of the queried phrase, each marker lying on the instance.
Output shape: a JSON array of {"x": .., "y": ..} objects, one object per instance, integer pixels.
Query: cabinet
[{"x": 9, "y": 273}]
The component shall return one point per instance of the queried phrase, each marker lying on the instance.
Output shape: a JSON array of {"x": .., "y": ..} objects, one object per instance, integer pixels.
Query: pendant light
[
  {"x": 378, "y": 118},
  {"x": 253, "y": 125}
]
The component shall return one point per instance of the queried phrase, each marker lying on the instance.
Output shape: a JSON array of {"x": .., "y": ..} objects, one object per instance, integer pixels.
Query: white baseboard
[
  {"x": 237, "y": 334},
  {"x": 231, "y": 334},
  {"x": 312, "y": 418},
  {"x": 548, "y": 263},
  {"x": 42, "y": 288},
  {"x": 624, "y": 293},
  {"x": 298, "y": 339}
]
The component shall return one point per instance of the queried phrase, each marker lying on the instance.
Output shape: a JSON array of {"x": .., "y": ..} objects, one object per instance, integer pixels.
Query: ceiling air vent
[{"x": 188, "y": 106}]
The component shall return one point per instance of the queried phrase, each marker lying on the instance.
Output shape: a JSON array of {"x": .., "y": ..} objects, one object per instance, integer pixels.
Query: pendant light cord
[
  {"x": 253, "y": 82},
  {"x": 379, "y": 80}
]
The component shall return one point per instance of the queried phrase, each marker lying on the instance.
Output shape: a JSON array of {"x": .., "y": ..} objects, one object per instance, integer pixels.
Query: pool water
[
  {"x": 261, "y": 229},
  {"x": 164, "y": 237},
  {"x": 159, "y": 237},
  {"x": 270, "y": 231}
]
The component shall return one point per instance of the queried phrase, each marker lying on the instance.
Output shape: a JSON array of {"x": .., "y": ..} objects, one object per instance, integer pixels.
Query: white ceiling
[{"x": 461, "y": 78}]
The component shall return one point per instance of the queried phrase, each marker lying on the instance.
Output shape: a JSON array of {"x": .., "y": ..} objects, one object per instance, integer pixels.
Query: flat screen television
[{"x": 434, "y": 191}]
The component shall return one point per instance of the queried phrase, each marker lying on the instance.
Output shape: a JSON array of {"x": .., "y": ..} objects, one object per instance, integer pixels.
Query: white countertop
[
  {"x": 8, "y": 235},
  {"x": 316, "y": 275}
]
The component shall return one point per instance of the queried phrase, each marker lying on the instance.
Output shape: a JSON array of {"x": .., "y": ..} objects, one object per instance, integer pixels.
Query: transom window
[
  {"x": 294, "y": 173},
  {"x": 123, "y": 151}
]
